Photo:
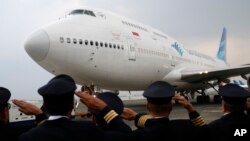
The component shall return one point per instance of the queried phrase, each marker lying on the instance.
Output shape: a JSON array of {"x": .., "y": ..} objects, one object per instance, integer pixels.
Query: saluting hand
[
  {"x": 128, "y": 114},
  {"x": 184, "y": 103},
  {"x": 27, "y": 108},
  {"x": 91, "y": 101}
]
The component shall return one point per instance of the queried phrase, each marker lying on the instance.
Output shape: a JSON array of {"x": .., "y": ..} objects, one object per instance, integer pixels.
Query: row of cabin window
[
  {"x": 146, "y": 51},
  {"x": 162, "y": 36},
  {"x": 96, "y": 43},
  {"x": 133, "y": 25}
]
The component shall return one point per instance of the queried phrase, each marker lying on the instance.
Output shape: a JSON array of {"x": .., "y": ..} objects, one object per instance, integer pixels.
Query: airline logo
[
  {"x": 178, "y": 48},
  {"x": 238, "y": 82},
  {"x": 221, "y": 53},
  {"x": 222, "y": 49}
]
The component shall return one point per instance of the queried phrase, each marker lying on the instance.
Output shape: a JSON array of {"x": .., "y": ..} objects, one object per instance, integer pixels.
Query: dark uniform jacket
[
  {"x": 5, "y": 133},
  {"x": 156, "y": 129},
  {"x": 225, "y": 127},
  {"x": 64, "y": 129},
  {"x": 11, "y": 132},
  {"x": 164, "y": 129}
]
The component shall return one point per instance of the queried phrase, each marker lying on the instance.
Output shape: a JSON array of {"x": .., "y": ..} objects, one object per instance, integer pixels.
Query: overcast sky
[{"x": 197, "y": 24}]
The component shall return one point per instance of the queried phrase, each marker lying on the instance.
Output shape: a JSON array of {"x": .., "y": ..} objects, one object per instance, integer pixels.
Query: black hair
[
  {"x": 2, "y": 106},
  {"x": 234, "y": 108},
  {"x": 59, "y": 105},
  {"x": 156, "y": 108}
]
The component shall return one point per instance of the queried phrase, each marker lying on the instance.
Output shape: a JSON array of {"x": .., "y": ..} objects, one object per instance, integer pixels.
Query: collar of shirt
[{"x": 54, "y": 117}]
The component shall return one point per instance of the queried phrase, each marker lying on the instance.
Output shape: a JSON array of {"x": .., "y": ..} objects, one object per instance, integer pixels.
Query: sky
[{"x": 197, "y": 24}]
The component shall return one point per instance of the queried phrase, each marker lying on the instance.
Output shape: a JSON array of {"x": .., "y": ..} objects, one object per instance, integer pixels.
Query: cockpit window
[
  {"x": 77, "y": 11},
  {"x": 81, "y": 11},
  {"x": 91, "y": 13}
]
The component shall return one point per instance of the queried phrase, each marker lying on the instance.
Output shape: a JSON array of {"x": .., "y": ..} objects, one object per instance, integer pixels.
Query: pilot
[
  {"x": 114, "y": 102},
  {"x": 5, "y": 132},
  {"x": 233, "y": 105},
  {"x": 83, "y": 114},
  {"x": 58, "y": 97},
  {"x": 4, "y": 105},
  {"x": 87, "y": 89},
  {"x": 156, "y": 125}
]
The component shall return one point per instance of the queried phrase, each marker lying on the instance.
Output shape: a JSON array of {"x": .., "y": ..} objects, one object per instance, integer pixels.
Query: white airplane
[
  {"x": 113, "y": 52},
  {"x": 214, "y": 91},
  {"x": 240, "y": 83}
]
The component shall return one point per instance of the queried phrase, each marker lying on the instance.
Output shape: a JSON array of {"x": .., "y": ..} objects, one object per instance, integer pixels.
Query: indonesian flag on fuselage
[{"x": 135, "y": 33}]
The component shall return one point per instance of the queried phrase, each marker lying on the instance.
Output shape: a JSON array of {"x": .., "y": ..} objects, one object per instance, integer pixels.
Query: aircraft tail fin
[{"x": 221, "y": 54}]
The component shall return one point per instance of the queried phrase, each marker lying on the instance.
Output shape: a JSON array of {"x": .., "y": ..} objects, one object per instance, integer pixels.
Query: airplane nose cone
[{"x": 37, "y": 45}]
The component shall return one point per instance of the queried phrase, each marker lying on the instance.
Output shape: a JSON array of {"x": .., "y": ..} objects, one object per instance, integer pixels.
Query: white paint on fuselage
[{"x": 154, "y": 57}]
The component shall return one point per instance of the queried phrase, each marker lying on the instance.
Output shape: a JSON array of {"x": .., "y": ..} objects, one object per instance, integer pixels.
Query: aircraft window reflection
[
  {"x": 86, "y": 42},
  {"x": 81, "y": 11},
  {"x": 77, "y": 11},
  {"x": 91, "y": 43},
  {"x": 74, "y": 41},
  {"x": 91, "y": 13},
  {"x": 96, "y": 43},
  {"x": 68, "y": 40},
  {"x": 61, "y": 39},
  {"x": 80, "y": 41}
]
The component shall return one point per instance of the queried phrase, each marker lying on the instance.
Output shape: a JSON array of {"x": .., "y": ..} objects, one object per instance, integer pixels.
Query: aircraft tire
[
  {"x": 203, "y": 99},
  {"x": 217, "y": 99}
]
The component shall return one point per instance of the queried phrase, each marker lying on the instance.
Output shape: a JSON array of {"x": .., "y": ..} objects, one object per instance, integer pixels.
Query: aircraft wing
[{"x": 194, "y": 76}]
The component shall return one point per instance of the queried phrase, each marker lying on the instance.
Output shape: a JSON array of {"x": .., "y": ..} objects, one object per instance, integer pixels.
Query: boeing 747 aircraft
[{"x": 116, "y": 53}]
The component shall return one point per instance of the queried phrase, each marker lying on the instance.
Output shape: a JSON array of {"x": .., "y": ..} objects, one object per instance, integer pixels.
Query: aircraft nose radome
[{"x": 37, "y": 45}]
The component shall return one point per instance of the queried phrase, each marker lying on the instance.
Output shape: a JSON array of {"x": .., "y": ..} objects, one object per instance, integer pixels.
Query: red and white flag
[{"x": 135, "y": 33}]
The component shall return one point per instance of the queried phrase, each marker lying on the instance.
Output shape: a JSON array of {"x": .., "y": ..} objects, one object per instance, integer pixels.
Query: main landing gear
[{"x": 203, "y": 98}]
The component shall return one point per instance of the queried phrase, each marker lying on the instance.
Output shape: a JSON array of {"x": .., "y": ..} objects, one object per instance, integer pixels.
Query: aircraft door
[
  {"x": 172, "y": 58},
  {"x": 173, "y": 61},
  {"x": 131, "y": 50}
]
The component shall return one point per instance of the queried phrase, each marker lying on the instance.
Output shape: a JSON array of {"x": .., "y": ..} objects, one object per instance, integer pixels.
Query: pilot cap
[
  {"x": 234, "y": 94},
  {"x": 4, "y": 95},
  {"x": 112, "y": 100},
  {"x": 159, "y": 93},
  {"x": 60, "y": 85}
]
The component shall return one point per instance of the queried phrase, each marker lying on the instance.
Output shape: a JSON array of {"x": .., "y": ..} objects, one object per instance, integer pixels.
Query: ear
[
  {"x": 4, "y": 115},
  {"x": 223, "y": 106},
  {"x": 170, "y": 107},
  {"x": 72, "y": 105},
  {"x": 148, "y": 106},
  {"x": 94, "y": 119}
]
